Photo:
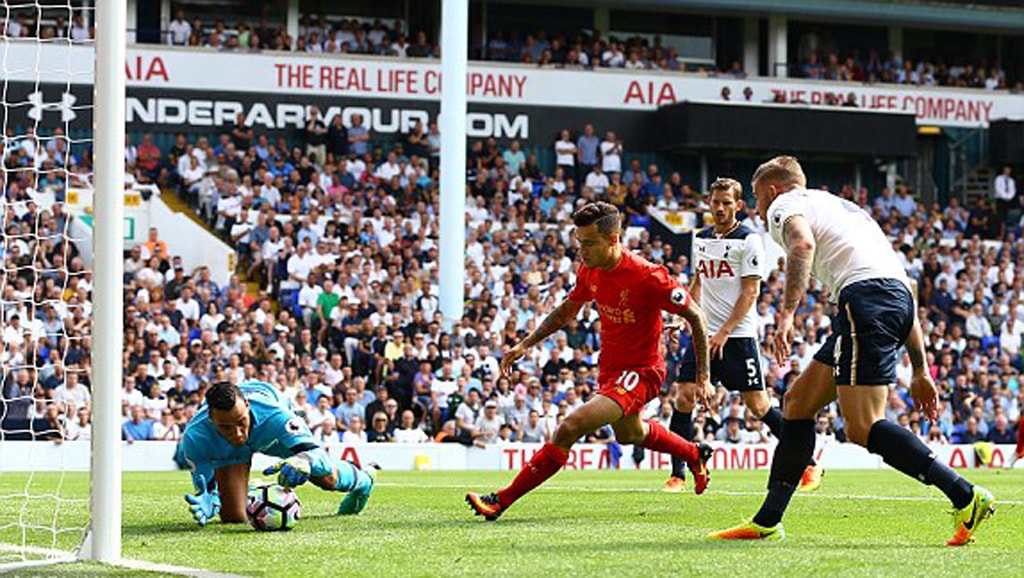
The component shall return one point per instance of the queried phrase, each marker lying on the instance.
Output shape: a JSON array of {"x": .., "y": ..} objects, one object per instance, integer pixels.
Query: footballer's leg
[
  {"x": 681, "y": 425},
  {"x": 758, "y": 403},
  {"x": 864, "y": 411},
  {"x": 347, "y": 477},
  {"x": 880, "y": 316},
  {"x": 809, "y": 393},
  {"x": 597, "y": 412},
  {"x": 682, "y": 415},
  {"x": 744, "y": 374},
  {"x": 233, "y": 485},
  {"x": 631, "y": 429}
]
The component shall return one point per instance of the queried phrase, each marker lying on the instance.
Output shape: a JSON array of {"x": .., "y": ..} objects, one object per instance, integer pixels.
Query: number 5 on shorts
[
  {"x": 628, "y": 380},
  {"x": 752, "y": 372}
]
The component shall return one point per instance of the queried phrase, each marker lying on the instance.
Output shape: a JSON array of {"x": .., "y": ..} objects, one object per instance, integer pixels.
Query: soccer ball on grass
[{"x": 272, "y": 507}]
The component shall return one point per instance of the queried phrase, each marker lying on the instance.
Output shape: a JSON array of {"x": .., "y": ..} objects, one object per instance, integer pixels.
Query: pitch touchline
[{"x": 556, "y": 488}]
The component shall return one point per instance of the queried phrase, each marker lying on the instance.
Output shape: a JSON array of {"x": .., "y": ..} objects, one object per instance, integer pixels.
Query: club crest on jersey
[
  {"x": 293, "y": 427},
  {"x": 678, "y": 296},
  {"x": 624, "y": 298},
  {"x": 714, "y": 269},
  {"x": 777, "y": 217}
]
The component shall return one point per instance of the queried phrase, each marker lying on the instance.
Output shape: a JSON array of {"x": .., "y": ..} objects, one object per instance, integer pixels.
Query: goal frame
[{"x": 103, "y": 540}]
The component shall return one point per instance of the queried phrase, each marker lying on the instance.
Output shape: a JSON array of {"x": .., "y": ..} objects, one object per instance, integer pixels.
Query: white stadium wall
[
  {"x": 16, "y": 456},
  {"x": 183, "y": 236}
]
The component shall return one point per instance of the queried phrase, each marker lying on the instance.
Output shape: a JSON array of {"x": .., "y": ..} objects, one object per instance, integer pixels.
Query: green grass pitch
[{"x": 579, "y": 524}]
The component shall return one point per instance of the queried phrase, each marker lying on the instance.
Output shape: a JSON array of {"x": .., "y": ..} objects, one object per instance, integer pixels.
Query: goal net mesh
[{"x": 46, "y": 285}]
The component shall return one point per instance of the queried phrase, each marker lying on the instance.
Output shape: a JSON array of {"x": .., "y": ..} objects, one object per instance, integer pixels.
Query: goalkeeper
[{"x": 239, "y": 421}]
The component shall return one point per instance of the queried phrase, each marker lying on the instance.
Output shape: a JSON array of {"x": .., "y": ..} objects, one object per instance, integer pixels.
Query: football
[{"x": 272, "y": 507}]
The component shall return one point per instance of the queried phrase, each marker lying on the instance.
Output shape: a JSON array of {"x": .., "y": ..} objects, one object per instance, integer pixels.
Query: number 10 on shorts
[{"x": 628, "y": 380}]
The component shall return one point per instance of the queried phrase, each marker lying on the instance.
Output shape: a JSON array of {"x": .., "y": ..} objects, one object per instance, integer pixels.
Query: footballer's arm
[
  {"x": 695, "y": 288},
  {"x": 699, "y": 332},
  {"x": 557, "y": 319},
  {"x": 800, "y": 247}
]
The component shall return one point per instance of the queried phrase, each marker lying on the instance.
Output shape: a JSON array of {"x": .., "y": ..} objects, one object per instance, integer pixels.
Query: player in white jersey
[
  {"x": 846, "y": 250},
  {"x": 728, "y": 260}
]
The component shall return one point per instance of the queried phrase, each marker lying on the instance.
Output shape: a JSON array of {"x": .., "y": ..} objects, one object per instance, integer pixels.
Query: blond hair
[{"x": 782, "y": 170}]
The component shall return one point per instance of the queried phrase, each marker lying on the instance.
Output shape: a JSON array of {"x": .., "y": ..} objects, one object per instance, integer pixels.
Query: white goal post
[{"x": 103, "y": 542}]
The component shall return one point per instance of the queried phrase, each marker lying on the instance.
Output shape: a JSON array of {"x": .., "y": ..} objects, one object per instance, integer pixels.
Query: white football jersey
[
  {"x": 721, "y": 264},
  {"x": 851, "y": 247}
]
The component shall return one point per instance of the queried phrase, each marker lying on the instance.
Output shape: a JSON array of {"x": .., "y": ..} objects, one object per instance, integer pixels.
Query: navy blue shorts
[
  {"x": 873, "y": 322},
  {"x": 739, "y": 368}
]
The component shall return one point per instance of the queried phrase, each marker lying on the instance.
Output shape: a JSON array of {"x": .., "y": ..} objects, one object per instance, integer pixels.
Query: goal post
[
  {"x": 62, "y": 155},
  {"x": 103, "y": 542}
]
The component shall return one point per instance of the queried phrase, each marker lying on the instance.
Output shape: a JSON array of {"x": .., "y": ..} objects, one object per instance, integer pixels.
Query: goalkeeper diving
[{"x": 237, "y": 421}]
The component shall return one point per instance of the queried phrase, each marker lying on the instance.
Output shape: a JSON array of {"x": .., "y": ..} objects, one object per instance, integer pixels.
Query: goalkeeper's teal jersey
[{"x": 275, "y": 431}]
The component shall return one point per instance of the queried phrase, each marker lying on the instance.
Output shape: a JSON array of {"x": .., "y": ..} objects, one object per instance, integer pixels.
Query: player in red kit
[{"x": 630, "y": 294}]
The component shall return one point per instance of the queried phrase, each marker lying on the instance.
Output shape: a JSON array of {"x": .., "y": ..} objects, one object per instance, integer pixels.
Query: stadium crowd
[{"x": 335, "y": 300}]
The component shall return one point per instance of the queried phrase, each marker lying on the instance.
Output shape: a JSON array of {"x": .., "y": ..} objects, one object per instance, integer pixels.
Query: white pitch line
[
  {"x": 62, "y": 557},
  {"x": 176, "y": 570},
  {"x": 648, "y": 490}
]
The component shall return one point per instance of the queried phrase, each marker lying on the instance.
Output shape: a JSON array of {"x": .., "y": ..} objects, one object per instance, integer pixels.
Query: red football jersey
[{"x": 630, "y": 298}]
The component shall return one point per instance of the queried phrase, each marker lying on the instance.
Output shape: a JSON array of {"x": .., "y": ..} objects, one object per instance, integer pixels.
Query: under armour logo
[{"x": 65, "y": 106}]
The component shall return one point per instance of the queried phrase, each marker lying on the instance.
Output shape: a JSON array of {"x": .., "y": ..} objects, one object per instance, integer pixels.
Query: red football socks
[
  {"x": 660, "y": 439},
  {"x": 544, "y": 464},
  {"x": 1020, "y": 438}
]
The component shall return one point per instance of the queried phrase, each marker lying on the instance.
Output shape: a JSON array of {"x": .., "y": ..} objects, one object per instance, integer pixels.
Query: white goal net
[{"x": 46, "y": 283}]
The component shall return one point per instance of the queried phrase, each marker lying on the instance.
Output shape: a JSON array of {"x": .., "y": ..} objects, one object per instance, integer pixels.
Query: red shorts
[{"x": 632, "y": 388}]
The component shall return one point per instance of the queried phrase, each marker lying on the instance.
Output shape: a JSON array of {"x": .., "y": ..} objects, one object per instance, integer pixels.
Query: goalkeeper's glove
[
  {"x": 291, "y": 472},
  {"x": 205, "y": 504}
]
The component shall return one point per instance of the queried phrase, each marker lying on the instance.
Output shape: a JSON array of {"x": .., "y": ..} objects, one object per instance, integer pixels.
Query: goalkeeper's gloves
[
  {"x": 205, "y": 504},
  {"x": 291, "y": 472}
]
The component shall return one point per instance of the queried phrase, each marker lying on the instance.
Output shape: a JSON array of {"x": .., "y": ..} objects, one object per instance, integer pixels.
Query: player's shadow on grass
[{"x": 183, "y": 527}]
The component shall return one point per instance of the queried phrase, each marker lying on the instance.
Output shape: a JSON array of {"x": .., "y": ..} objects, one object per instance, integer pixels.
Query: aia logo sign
[
  {"x": 714, "y": 269},
  {"x": 38, "y": 106}
]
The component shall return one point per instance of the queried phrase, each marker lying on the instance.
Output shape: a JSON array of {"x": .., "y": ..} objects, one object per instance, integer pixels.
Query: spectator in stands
[
  {"x": 587, "y": 146},
  {"x": 597, "y": 181},
  {"x": 1004, "y": 189},
  {"x": 179, "y": 30},
  {"x": 166, "y": 429},
  {"x": 347, "y": 410},
  {"x": 149, "y": 158},
  {"x": 80, "y": 428},
  {"x": 408, "y": 432},
  {"x": 489, "y": 424},
  {"x": 315, "y": 134},
  {"x": 611, "y": 154},
  {"x": 138, "y": 428},
  {"x": 354, "y": 434},
  {"x": 1001, "y": 433},
  {"x": 358, "y": 137},
  {"x": 379, "y": 432},
  {"x": 71, "y": 393}
]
